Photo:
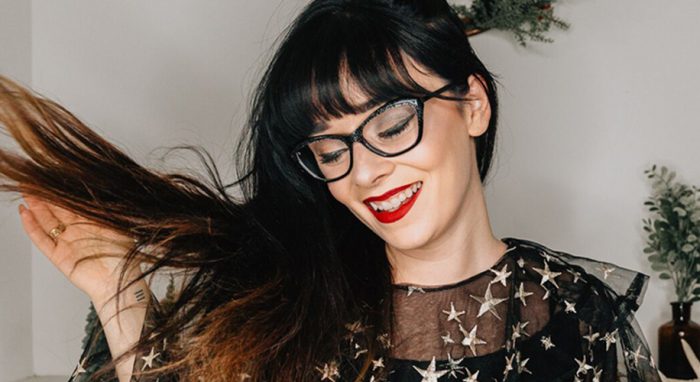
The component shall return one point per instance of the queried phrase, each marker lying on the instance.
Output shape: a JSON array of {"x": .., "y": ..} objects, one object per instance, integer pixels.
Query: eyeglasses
[{"x": 393, "y": 129}]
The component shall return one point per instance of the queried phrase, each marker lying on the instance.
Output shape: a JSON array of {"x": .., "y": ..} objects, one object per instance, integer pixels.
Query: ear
[{"x": 477, "y": 108}]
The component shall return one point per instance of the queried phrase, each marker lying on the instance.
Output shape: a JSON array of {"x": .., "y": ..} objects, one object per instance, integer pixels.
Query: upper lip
[{"x": 387, "y": 194}]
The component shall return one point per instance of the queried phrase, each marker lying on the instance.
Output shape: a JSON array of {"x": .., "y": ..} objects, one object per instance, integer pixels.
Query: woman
[{"x": 361, "y": 249}]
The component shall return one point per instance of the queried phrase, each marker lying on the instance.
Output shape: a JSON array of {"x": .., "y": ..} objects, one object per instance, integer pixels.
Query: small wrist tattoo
[{"x": 140, "y": 295}]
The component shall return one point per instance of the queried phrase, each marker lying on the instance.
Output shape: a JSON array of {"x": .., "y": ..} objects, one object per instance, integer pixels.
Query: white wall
[
  {"x": 146, "y": 75},
  {"x": 15, "y": 262},
  {"x": 581, "y": 118}
]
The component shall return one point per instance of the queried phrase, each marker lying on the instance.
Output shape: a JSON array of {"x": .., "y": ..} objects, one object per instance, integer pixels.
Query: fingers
[
  {"x": 41, "y": 214},
  {"x": 36, "y": 232}
]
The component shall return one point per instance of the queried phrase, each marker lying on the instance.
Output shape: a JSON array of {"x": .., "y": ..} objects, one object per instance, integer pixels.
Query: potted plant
[{"x": 673, "y": 246}]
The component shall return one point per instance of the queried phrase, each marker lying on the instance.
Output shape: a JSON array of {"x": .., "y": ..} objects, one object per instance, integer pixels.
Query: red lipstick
[{"x": 392, "y": 216}]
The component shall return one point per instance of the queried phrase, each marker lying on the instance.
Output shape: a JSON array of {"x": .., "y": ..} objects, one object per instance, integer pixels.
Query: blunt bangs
[{"x": 363, "y": 46}]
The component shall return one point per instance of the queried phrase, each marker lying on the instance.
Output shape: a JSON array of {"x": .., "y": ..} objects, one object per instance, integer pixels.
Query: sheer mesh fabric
[{"x": 552, "y": 316}]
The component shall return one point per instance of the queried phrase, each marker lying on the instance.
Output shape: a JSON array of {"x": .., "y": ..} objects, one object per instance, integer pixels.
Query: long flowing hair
[{"x": 275, "y": 274}]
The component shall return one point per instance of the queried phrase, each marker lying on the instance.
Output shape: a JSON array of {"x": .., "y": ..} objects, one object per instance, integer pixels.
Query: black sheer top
[{"x": 537, "y": 314}]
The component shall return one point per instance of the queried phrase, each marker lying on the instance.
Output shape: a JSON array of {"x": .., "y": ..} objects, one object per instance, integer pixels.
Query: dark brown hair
[{"x": 274, "y": 276}]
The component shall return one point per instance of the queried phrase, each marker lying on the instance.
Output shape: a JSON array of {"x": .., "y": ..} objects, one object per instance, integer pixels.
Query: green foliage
[
  {"x": 673, "y": 231},
  {"x": 524, "y": 18}
]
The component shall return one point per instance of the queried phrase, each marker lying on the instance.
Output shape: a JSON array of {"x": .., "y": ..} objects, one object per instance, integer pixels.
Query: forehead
[{"x": 366, "y": 105}]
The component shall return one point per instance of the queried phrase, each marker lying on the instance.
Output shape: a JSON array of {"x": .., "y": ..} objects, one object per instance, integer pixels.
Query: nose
[{"x": 368, "y": 168}]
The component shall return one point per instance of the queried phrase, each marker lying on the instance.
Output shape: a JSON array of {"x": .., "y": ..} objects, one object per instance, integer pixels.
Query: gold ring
[{"x": 57, "y": 230}]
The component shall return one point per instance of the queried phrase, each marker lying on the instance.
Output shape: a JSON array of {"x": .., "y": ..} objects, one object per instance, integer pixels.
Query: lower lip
[{"x": 390, "y": 217}]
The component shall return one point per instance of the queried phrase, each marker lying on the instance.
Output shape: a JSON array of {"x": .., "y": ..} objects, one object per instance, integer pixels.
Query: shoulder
[{"x": 596, "y": 287}]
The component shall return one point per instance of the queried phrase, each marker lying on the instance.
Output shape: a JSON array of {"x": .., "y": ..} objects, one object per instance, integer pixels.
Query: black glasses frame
[{"x": 356, "y": 136}]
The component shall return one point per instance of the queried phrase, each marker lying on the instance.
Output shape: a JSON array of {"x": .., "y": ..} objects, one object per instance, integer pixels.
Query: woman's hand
[{"x": 96, "y": 277}]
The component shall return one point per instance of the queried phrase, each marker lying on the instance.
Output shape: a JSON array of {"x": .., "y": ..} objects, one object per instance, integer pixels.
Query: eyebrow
[{"x": 321, "y": 126}]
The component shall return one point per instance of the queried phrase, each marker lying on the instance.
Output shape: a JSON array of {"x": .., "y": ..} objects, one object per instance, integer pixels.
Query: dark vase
[{"x": 672, "y": 360}]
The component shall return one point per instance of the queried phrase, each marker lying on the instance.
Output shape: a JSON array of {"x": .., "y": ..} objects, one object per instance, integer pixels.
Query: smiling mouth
[{"x": 396, "y": 200}]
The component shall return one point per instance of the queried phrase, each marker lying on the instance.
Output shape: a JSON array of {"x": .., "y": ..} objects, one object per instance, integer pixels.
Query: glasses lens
[
  {"x": 325, "y": 158},
  {"x": 395, "y": 129}
]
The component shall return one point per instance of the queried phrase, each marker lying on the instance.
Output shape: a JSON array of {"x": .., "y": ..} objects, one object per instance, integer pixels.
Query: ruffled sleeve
[{"x": 602, "y": 299}]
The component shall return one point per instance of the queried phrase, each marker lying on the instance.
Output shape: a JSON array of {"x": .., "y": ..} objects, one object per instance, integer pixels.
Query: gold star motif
[
  {"x": 452, "y": 314},
  {"x": 501, "y": 276},
  {"x": 583, "y": 367},
  {"x": 547, "y": 342},
  {"x": 148, "y": 360},
  {"x": 519, "y": 330},
  {"x": 329, "y": 371},
  {"x": 636, "y": 355},
  {"x": 412, "y": 289},
  {"x": 547, "y": 274},
  {"x": 509, "y": 365},
  {"x": 521, "y": 364},
  {"x": 596, "y": 374},
  {"x": 80, "y": 368},
  {"x": 447, "y": 339},
  {"x": 488, "y": 303},
  {"x": 591, "y": 337},
  {"x": 609, "y": 338},
  {"x": 429, "y": 374},
  {"x": 570, "y": 307},
  {"x": 607, "y": 270},
  {"x": 454, "y": 365},
  {"x": 470, "y": 338},
  {"x": 377, "y": 363},
  {"x": 522, "y": 293},
  {"x": 471, "y": 377}
]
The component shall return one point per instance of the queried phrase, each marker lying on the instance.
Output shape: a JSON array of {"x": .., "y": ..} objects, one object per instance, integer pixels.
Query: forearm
[{"x": 124, "y": 330}]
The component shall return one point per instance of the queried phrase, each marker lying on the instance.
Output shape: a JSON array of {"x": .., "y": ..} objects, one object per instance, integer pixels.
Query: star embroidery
[
  {"x": 429, "y": 374},
  {"x": 522, "y": 363},
  {"x": 377, "y": 363},
  {"x": 547, "y": 342},
  {"x": 447, "y": 339},
  {"x": 522, "y": 293},
  {"x": 570, "y": 307},
  {"x": 452, "y": 314},
  {"x": 509, "y": 365},
  {"x": 607, "y": 270},
  {"x": 329, "y": 371},
  {"x": 596, "y": 374},
  {"x": 547, "y": 274},
  {"x": 583, "y": 367},
  {"x": 470, "y": 339},
  {"x": 80, "y": 368},
  {"x": 471, "y": 377},
  {"x": 521, "y": 262},
  {"x": 577, "y": 276},
  {"x": 454, "y": 365},
  {"x": 488, "y": 302},
  {"x": 412, "y": 289},
  {"x": 609, "y": 338},
  {"x": 148, "y": 360},
  {"x": 591, "y": 337},
  {"x": 519, "y": 330},
  {"x": 636, "y": 355},
  {"x": 501, "y": 276}
]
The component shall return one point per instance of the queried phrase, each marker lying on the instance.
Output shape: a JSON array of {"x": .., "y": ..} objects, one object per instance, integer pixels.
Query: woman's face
[{"x": 443, "y": 164}]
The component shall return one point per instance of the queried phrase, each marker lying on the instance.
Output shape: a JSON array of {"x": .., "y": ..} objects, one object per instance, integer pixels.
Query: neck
[{"x": 466, "y": 247}]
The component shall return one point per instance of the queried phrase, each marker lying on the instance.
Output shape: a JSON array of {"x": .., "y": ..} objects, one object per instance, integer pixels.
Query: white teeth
[{"x": 394, "y": 203}]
